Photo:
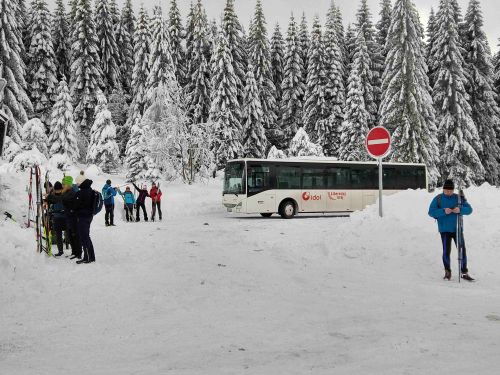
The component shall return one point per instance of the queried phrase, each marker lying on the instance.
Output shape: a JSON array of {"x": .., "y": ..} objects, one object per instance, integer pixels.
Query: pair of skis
[
  {"x": 39, "y": 215},
  {"x": 460, "y": 235}
]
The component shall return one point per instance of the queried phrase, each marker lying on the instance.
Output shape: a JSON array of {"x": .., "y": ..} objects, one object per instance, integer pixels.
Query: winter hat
[
  {"x": 108, "y": 182},
  {"x": 67, "y": 181},
  {"x": 449, "y": 185},
  {"x": 57, "y": 186},
  {"x": 80, "y": 178}
]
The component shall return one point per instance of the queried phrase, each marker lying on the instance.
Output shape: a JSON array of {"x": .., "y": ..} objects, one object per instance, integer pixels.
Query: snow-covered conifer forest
[{"x": 116, "y": 87}]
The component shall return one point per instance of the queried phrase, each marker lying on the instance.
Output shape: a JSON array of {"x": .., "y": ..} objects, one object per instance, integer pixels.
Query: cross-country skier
[
  {"x": 129, "y": 200},
  {"x": 155, "y": 194},
  {"x": 56, "y": 211},
  {"x": 85, "y": 213},
  {"x": 140, "y": 202},
  {"x": 108, "y": 195},
  {"x": 444, "y": 208},
  {"x": 69, "y": 203}
]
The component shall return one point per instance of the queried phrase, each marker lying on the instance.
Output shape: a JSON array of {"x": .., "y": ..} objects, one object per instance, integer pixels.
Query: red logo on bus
[{"x": 305, "y": 196}]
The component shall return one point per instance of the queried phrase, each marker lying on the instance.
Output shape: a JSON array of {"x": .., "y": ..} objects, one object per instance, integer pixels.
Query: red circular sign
[{"x": 378, "y": 142}]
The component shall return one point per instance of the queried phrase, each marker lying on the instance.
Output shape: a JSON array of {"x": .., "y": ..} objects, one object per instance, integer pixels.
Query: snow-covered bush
[
  {"x": 103, "y": 149},
  {"x": 301, "y": 145},
  {"x": 276, "y": 153},
  {"x": 33, "y": 136},
  {"x": 60, "y": 161},
  {"x": 27, "y": 159},
  {"x": 11, "y": 149}
]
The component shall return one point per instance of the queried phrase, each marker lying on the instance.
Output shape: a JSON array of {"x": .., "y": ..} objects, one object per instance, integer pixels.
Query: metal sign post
[{"x": 378, "y": 145}]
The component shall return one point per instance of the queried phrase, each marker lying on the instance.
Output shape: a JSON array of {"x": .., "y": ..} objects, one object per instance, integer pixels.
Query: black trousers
[
  {"x": 137, "y": 207},
  {"x": 72, "y": 233},
  {"x": 110, "y": 214},
  {"x": 58, "y": 227},
  {"x": 129, "y": 211},
  {"x": 446, "y": 238},
  {"x": 84, "y": 232},
  {"x": 155, "y": 205}
]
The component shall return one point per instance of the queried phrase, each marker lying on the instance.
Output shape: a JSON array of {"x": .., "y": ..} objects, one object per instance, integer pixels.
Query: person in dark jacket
[
  {"x": 68, "y": 200},
  {"x": 108, "y": 195},
  {"x": 444, "y": 208},
  {"x": 85, "y": 213},
  {"x": 155, "y": 194},
  {"x": 56, "y": 211},
  {"x": 141, "y": 202}
]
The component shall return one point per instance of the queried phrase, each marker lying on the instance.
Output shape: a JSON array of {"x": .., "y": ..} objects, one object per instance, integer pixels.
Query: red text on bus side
[
  {"x": 307, "y": 196},
  {"x": 337, "y": 195}
]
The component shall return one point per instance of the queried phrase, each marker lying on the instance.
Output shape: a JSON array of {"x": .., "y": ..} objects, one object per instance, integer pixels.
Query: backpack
[
  {"x": 105, "y": 192},
  {"x": 97, "y": 202}
]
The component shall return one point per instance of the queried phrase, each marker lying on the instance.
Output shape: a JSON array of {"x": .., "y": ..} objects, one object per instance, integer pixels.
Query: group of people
[
  {"x": 71, "y": 209},
  {"x": 130, "y": 202}
]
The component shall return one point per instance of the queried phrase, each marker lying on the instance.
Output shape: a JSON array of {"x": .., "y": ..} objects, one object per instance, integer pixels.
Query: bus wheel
[
  {"x": 287, "y": 210},
  {"x": 266, "y": 214}
]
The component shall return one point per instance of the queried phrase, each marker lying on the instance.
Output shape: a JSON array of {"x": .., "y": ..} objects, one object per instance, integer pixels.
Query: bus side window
[
  {"x": 258, "y": 179},
  {"x": 313, "y": 178},
  {"x": 287, "y": 177},
  {"x": 338, "y": 178}
]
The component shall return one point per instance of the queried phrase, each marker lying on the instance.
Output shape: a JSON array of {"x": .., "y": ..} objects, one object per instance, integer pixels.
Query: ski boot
[
  {"x": 467, "y": 277},
  {"x": 447, "y": 275}
]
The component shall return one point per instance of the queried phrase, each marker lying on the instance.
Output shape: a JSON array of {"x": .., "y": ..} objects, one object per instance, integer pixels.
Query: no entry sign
[{"x": 378, "y": 142}]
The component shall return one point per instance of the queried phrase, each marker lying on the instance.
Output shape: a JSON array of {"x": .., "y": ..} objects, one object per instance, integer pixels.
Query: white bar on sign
[{"x": 378, "y": 141}]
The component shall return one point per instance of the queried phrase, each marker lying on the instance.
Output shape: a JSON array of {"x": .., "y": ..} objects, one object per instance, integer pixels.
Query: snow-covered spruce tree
[
  {"x": 114, "y": 13},
  {"x": 292, "y": 86},
  {"x": 236, "y": 44},
  {"x": 189, "y": 29},
  {"x": 198, "y": 82},
  {"x": 406, "y": 107},
  {"x": 480, "y": 88},
  {"x": 128, "y": 17},
  {"x": 119, "y": 108},
  {"x": 304, "y": 44},
  {"x": 24, "y": 23},
  {"x": 335, "y": 89},
  {"x": 108, "y": 49},
  {"x": 161, "y": 68},
  {"x": 315, "y": 107},
  {"x": 457, "y": 130},
  {"x": 254, "y": 139},
  {"x": 175, "y": 32},
  {"x": 301, "y": 145},
  {"x": 61, "y": 41},
  {"x": 431, "y": 39},
  {"x": 383, "y": 25},
  {"x": 34, "y": 137},
  {"x": 365, "y": 24},
  {"x": 225, "y": 110},
  {"x": 103, "y": 149},
  {"x": 261, "y": 61},
  {"x": 334, "y": 16},
  {"x": 277, "y": 63},
  {"x": 141, "y": 69},
  {"x": 16, "y": 102},
  {"x": 276, "y": 153},
  {"x": 86, "y": 74},
  {"x": 125, "y": 46},
  {"x": 350, "y": 38},
  {"x": 63, "y": 136},
  {"x": 136, "y": 152},
  {"x": 41, "y": 69},
  {"x": 357, "y": 117}
]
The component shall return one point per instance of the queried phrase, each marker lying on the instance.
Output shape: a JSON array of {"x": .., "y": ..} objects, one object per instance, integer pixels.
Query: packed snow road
[{"x": 204, "y": 292}]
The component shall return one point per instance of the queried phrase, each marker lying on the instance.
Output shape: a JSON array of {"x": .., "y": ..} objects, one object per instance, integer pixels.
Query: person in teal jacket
[
  {"x": 445, "y": 209},
  {"x": 129, "y": 199}
]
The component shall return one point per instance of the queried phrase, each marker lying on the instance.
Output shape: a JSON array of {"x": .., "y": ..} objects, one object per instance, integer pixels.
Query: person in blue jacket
[
  {"x": 108, "y": 196},
  {"x": 129, "y": 200},
  {"x": 444, "y": 208}
]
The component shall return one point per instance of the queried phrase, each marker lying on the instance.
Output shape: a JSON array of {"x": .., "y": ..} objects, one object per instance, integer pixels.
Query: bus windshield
[{"x": 234, "y": 182}]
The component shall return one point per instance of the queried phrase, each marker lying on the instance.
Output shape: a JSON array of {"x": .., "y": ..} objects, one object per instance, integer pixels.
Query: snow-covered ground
[{"x": 206, "y": 292}]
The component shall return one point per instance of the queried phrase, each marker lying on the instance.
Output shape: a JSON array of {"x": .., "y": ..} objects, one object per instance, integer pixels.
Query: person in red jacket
[{"x": 155, "y": 194}]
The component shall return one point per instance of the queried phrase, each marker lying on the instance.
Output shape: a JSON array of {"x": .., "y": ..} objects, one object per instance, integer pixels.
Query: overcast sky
[{"x": 280, "y": 10}]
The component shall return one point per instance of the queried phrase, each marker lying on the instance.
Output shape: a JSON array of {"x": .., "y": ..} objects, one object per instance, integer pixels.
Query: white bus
[{"x": 292, "y": 186}]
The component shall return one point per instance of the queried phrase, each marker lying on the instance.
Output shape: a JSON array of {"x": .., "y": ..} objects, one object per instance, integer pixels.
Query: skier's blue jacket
[
  {"x": 128, "y": 197},
  {"x": 108, "y": 194},
  {"x": 447, "y": 223}
]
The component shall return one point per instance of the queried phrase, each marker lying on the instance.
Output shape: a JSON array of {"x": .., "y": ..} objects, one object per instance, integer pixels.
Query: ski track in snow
[{"x": 243, "y": 294}]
